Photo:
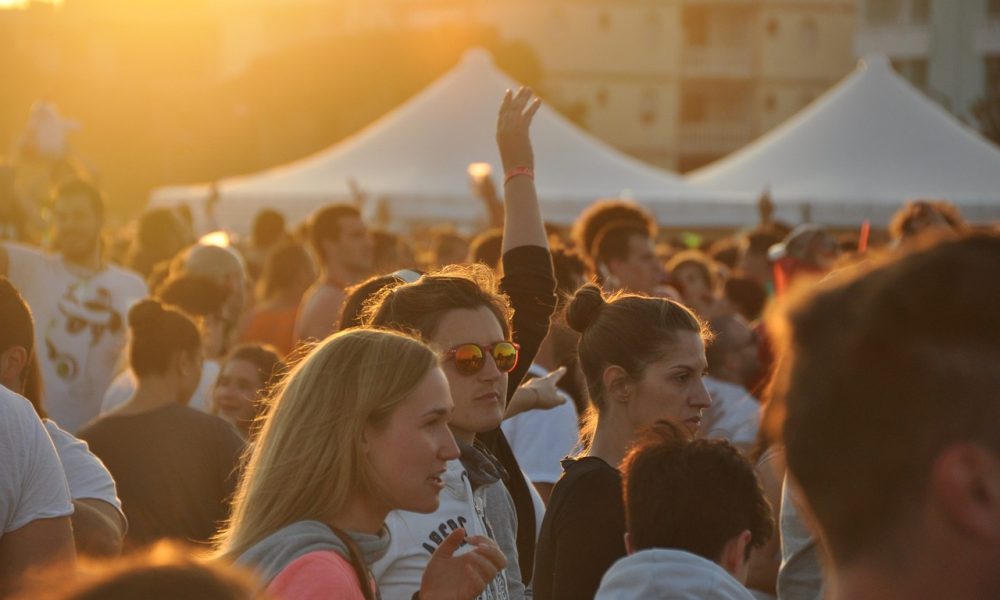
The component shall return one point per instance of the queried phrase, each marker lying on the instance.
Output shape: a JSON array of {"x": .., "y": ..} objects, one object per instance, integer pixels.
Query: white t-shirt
[
  {"x": 32, "y": 483},
  {"x": 122, "y": 387},
  {"x": 734, "y": 414},
  {"x": 540, "y": 438},
  {"x": 85, "y": 473},
  {"x": 80, "y": 327}
]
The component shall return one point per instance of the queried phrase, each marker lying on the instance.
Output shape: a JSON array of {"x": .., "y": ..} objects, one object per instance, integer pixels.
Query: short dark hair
[
  {"x": 747, "y": 295},
  {"x": 158, "y": 335},
  {"x": 352, "y": 313},
  {"x": 268, "y": 227},
  {"x": 487, "y": 247},
  {"x": 420, "y": 306},
  {"x": 79, "y": 187},
  {"x": 902, "y": 223},
  {"x": 600, "y": 214},
  {"x": 886, "y": 366},
  {"x": 266, "y": 358},
  {"x": 691, "y": 495},
  {"x": 195, "y": 295},
  {"x": 325, "y": 224},
  {"x": 17, "y": 328},
  {"x": 612, "y": 242}
]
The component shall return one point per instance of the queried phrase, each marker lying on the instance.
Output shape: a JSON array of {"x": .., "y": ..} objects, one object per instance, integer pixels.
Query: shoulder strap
[{"x": 360, "y": 569}]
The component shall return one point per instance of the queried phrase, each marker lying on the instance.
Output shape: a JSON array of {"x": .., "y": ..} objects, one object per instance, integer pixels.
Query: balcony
[
  {"x": 988, "y": 36},
  {"x": 712, "y": 137},
  {"x": 893, "y": 40},
  {"x": 712, "y": 62}
]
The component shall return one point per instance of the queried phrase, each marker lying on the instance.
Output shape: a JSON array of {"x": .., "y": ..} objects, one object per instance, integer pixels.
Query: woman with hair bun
[
  {"x": 643, "y": 360},
  {"x": 174, "y": 465}
]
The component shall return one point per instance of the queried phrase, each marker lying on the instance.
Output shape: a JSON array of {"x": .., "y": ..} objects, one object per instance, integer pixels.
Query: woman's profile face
[
  {"x": 410, "y": 451},
  {"x": 673, "y": 386},
  {"x": 480, "y": 397},
  {"x": 235, "y": 393}
]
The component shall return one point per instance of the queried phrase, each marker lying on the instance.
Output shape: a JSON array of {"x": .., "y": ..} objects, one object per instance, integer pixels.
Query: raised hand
[
  {"x": 450, "y": 577},
  {"x": 513, "y": 122}
]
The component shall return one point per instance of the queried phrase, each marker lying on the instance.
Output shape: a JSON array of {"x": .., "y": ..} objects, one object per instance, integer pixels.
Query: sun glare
[{"x": 5, "y": 4}]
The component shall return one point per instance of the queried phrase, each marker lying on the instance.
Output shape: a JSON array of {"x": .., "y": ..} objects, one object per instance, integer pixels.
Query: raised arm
[{"x": 522, "y": 216}]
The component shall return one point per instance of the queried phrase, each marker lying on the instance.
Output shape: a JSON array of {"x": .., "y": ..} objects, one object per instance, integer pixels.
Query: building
[{"x": 950, "y": 49}]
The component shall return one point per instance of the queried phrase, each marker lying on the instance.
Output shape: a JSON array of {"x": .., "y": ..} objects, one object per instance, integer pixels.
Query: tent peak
[
  {"x": 477, "y": 57},
  {"x": 874, "y": 60}
]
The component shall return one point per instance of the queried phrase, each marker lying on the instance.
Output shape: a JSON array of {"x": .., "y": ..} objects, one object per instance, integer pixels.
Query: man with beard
[
  {"x": 343, "y": 248},
  {"x": 79, "y": 302},
  {"x": 732, "y": 362}
]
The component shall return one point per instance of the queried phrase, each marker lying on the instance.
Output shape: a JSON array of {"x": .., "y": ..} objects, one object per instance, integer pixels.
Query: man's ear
[
  {"x": 734, "y": 555},
  {"x": 965, "y": 488},
  {"x": 13, "y": 360},
  {"x": 617, "y": 384}
]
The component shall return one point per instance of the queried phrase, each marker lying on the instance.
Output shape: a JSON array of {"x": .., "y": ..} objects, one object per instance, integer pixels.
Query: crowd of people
[{"x": 324, "y": 410}]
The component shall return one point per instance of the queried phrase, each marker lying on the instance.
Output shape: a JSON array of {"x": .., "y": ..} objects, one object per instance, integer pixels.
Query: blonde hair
[{"x": 308, "y": 460}]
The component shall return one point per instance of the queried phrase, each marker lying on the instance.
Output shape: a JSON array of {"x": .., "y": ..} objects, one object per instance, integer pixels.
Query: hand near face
[
  {"x": 541, "y": 393},
  {"x": 450, "y": 577}
]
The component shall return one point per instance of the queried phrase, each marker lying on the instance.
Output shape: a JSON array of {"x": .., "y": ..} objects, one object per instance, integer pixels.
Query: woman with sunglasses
[
  {"x": 644, "y": 361},
  {"x": 341, "y": 445},
  {"x": 464, "y": 317}
]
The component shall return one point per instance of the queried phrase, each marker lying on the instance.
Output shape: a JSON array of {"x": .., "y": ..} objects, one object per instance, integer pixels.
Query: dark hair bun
[
  {"x": 586, "y": 305},
  {"x": 145, "y": 314}
]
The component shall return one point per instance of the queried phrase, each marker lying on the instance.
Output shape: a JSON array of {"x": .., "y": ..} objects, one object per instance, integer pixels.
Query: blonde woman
[{"x": 340, "y": 447}]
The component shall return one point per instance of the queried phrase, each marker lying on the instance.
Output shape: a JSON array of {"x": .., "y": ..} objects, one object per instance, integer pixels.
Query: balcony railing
[{"x": 717, "y": 62}]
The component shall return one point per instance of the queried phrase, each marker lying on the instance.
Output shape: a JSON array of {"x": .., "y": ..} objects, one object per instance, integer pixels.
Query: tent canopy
[
  {"x": 417, "y": 156},
  {"x": 860, "y": 150}
]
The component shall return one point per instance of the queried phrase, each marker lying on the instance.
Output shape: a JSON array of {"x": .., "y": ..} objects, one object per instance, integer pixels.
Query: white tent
[
  {"x": 860, "y": 150},
  {"x": 417, "y": 158}
]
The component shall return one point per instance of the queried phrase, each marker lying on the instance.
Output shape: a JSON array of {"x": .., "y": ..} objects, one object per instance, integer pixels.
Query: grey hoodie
[
  {"x": 272, "y": 554},
  {"x": 669, "y": 575}
]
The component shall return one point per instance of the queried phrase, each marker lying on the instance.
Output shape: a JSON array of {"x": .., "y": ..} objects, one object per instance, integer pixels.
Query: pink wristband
[{"x": 526, "y": 171}]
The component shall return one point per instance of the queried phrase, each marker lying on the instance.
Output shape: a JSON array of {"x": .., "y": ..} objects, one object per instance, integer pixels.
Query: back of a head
[
  {"x": 599, "y": 214},
  {"x": 210, "y": 261},
  {"x": 747, "y": 295},
  {"x": 570, "y": 271},
  {"x": 691, "y": 495},
  {"x": 324, "y": 224},
  {"x": 420, "y": 306},
  {"x": 487, "y": 248},
  {"x": 284, "y": 267},
  {"x": 626, "y": 330},
  {"x": 160, "y": 230},
  {"x": 195, "y": 295},
  {"x": 268, "y": 228},
  {"x": 887, "y": 366},
  {"x": 16, "y": 325},
  {"x": 17, "y": 328},
  {"x": 918, "y": 216},
  {"x": 358, "y": 296},
  {"x": 165, "y": 571},
  {"x": 158, "y": 335},
  {"x": 315, "y": 421}
]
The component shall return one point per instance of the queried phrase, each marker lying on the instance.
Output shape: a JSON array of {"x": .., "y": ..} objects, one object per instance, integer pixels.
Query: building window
[
  {"x": 920, "y": 11},
  {"x": 604, "y": 21},
  {"x": 773, "y": 27},
  {"x": 602, "y": 97},
  {"x": 695, "y": 22},
  {"x": 914, "y": 70},
  {"x": 647, "y": 106},
  {"x": 992, "y": 73},
  {"x": 693, "y": 107},
  {"x": 883, "y": 12},
  {"x": 809, "y": 36}
]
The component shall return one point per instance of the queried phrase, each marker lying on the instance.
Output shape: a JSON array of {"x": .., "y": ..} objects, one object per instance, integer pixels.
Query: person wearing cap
[{"x": 808, "y": 249}]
